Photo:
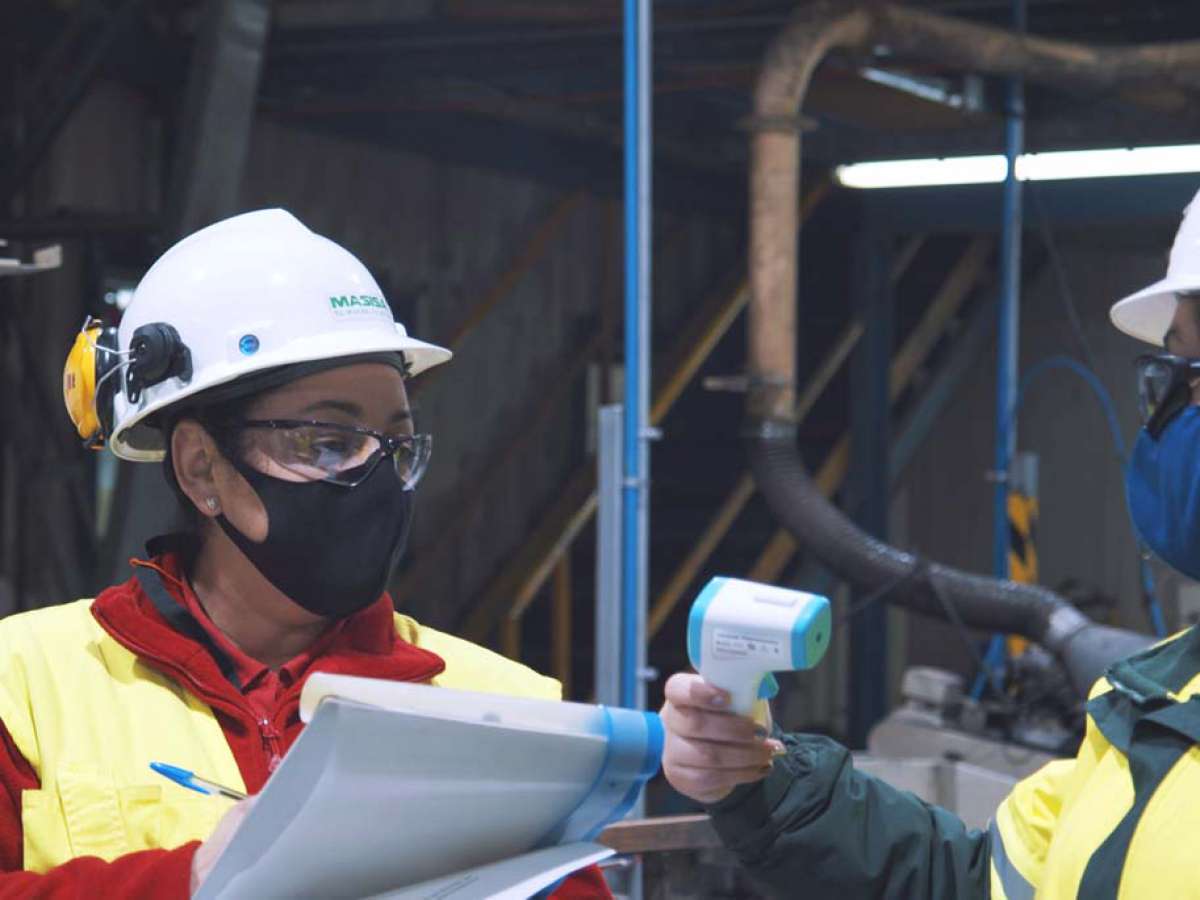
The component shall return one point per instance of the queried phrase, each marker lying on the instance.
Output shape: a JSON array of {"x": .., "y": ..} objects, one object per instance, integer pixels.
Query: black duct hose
[{"x": 1085, "y": 648}]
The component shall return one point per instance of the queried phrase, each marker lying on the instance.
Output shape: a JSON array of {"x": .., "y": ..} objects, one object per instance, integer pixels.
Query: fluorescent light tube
[{"x": 1055, "y": 166}]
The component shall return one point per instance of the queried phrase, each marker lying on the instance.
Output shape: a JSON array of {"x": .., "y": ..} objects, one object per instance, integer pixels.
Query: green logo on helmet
[
  {"x": 351, "y": 301},
  {"x": 357, "y": 305}
]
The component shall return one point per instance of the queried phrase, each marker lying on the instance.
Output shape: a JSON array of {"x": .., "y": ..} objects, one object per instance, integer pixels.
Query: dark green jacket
[
  {"x": 1120, "y": 820},
  {"x": 817, "y": 827}
]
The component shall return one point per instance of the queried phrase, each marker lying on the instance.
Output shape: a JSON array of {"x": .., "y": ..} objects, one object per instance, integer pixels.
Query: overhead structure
[
  {"x": 44, "y": 259},
  {"x": 994, "y": 604},
  {"x": 218, "y": 113}
]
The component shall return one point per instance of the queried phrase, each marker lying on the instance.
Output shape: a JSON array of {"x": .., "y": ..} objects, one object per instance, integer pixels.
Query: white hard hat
[
  {"x": 1147, "y": 314},
  {"x": 245, "y": 295}
]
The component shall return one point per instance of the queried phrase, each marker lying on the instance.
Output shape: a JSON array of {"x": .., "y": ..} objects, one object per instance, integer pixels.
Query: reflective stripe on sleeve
[{"x": 1014, "y": 883}]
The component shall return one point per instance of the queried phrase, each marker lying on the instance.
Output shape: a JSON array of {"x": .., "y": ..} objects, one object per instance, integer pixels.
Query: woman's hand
[
  {"x": 708, "y": 750},
  {"x": 208, "y": 852}
]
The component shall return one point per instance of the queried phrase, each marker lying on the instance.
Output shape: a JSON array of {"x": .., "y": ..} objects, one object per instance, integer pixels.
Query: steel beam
[
  {"x": 978, "y": 208},
  {"x": 58, "y": 109},
  {"x": 77, "y": 225},
  {"x": 514, "y": 587},
  {"x": 868, "y": 485},
  {"x": 954, "y": 291},
  {"x": 963, "y": 358},
  {"x": 213, "y": 142},
  {"x": 549, "y": 156},
  {"x": 214, "y": 135},
  {"x": 737, "y": 499}
]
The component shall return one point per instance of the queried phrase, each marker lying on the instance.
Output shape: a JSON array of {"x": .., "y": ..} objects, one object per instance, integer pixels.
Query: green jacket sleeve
[{"x": 816, "y": 826}]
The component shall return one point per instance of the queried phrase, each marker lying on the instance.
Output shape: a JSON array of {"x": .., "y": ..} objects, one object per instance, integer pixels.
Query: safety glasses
[
  {"x": 1164, "y": 388},
  {"x": 327, "y": 451}
]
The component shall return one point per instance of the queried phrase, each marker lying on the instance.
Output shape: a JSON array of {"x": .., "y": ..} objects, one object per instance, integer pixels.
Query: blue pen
[{"x": 192, "y": 781}]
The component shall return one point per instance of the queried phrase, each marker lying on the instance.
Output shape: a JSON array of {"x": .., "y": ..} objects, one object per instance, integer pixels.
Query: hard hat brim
[
  {"x": 136, "y": 440},
  {"x": 1147, "y": 314}
]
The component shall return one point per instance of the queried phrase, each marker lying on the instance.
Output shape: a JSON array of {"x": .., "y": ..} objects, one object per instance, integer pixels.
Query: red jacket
[{"x": 365, "y": 644}]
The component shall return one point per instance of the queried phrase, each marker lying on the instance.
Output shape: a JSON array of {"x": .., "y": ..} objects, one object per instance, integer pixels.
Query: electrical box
[{"x": 1187, "y": 599}]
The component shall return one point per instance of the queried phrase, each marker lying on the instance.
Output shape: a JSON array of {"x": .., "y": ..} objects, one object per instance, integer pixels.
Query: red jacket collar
[{"x": 366, "y": 645}]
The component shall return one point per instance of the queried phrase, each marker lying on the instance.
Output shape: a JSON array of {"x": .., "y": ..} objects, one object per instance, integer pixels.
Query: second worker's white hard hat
[{"x": 1147, "y": 314}]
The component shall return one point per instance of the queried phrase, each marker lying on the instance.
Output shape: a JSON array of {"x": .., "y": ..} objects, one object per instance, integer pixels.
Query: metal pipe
[
  {"x": 792, "y": 57},
  {"x": 637, "y": 355},
  {"x": 1008, "y": 337},
  {"x": 609, "y": 469}
]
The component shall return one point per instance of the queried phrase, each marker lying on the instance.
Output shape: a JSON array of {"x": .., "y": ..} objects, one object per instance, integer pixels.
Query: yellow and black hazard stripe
[{"x": 1022, "y": 549}]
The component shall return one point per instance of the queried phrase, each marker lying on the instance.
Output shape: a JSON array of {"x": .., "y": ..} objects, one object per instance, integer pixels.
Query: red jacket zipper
[
  {"x": 272, "y": 743},
  {"x": 271, "y": 739}
]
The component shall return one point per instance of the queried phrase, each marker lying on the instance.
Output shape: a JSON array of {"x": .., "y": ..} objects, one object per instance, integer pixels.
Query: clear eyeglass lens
[
  {"x": 1153, "y": 384},
  {"x": 412, "y": 458},
  {"x": 318, "y": 453},
  {"x": 313, "y": 452}
]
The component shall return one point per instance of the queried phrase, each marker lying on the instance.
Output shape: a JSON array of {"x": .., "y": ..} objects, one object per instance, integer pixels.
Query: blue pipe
[
  {"x": 637, "y": 222},
  {"x": 1007, "y": 337},
  {"x": 1146, "y": 573}
]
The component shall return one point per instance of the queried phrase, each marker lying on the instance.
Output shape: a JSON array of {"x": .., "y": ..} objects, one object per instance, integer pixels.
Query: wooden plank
[
  {"x": 524, "y": 577},
  {"x": 533, "y": 249},
  {"x": 698, "y": 343},
  {"x": 718, "y": 526},
  {"x": 905, "y": 256},
  {"x": 525, "y": 572},
  {"x": 954, "y": 290},
  {"x": 476, "y": 488},
  {"x": 782, "y": 546},
  {"x": 945, "y": 304},
  {"x": 661, "y": 834},
  {"x": 686, "y": 572},
  {"x": 829, "y": 367},
  {"x": 511, "y": 638},
  {"x": 519, "y": 581},
  {"x": 561, "y": 624},
  {"x": 532, "y": 583}
]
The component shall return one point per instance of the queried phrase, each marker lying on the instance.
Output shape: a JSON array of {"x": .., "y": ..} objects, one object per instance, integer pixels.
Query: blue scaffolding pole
[
  {"x": 1007, "y": 344},
  {"x": 634, "y": 517}
]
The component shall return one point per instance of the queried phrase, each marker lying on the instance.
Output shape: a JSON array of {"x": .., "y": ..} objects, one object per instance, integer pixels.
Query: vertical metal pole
[
  {"x": 637, "y": 356},
  {"x": 868, "y": 482},
  {"x": 608, "y": 556},
  {"x": 634, "y": 563},
  {"x": 214, "y": 140},
  {"x": 1007, "y": 337}
]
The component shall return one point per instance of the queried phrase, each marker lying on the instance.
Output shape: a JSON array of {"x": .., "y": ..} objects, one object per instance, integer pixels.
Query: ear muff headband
[{"x": 89, "y": 382}]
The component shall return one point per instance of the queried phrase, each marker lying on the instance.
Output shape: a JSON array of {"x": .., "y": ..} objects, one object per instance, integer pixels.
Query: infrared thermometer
[{"x": 740, "y": 632}]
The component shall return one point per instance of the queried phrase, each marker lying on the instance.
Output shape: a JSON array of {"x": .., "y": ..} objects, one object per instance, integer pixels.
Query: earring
[{"x": 211, "y": 503}]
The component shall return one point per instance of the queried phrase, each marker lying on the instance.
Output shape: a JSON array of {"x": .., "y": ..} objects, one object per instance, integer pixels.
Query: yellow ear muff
[{"x": 92, "y": 357}]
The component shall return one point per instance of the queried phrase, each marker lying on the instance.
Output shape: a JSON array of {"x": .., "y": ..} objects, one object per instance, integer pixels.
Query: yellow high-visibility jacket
[
  {"x": 1120, "y": 820},
  {"x": 88, "y": 715}
]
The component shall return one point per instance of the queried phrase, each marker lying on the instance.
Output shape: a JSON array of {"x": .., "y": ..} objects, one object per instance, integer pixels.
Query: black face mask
[{"x": 329, "y": 548}]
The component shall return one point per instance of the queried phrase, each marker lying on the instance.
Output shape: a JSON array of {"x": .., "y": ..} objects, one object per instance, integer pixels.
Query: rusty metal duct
[{"x": 1037, "y": 613}]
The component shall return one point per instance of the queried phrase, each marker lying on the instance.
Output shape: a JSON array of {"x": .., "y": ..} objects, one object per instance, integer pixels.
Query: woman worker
[
  {"x": 1119, "y": 820},
  {"x": 261, "y": 364}
]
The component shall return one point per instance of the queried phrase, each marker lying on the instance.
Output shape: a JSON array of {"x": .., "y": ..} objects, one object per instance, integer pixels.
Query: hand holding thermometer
[{"x": 739, "y": 632}]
